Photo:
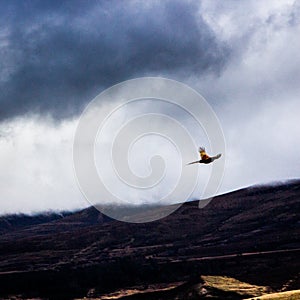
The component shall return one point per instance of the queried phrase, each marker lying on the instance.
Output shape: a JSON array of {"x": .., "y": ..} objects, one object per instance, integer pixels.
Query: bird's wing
[
  {"x": 203, "y": 154},
  {"x": 194, "y": 162},
  {"x": 216, "y": 157}
]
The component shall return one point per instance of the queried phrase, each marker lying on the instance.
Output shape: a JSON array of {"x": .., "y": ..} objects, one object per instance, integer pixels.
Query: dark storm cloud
[{"x": 57, "y": 56}]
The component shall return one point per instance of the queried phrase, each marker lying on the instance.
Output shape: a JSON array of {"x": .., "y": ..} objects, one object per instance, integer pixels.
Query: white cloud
[
  {"x": 264, "y": 147},
  {"x": 256, "y": 98},
  {"x": 236, "y": 20},
  {"x": 36, "y": 167}
]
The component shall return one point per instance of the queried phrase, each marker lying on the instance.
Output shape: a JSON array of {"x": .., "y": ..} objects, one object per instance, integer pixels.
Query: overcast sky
[{"x": 56, "y": 56}]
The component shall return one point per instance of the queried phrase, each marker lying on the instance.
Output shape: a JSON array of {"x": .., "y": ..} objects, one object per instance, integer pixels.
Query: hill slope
[{"x": 251, "y": 234}]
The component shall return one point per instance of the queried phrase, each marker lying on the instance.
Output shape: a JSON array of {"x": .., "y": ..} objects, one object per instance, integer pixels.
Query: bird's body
[{"x": 205, "y": 158}]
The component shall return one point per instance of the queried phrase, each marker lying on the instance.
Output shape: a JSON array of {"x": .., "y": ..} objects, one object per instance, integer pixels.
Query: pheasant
[{"x": 205, "y": 158}]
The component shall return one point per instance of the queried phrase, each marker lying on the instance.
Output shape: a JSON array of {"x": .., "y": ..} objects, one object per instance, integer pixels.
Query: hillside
[{"x": 252, "y": 235}]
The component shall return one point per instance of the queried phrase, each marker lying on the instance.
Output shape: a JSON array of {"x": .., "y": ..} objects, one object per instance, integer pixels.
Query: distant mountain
[
  {"x": 252, "y": 234},
  {"x": 18, "y": 221}
]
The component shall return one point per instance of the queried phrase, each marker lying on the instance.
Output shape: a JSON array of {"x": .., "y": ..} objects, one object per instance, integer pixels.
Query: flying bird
[{"x": 205, "y": 158}]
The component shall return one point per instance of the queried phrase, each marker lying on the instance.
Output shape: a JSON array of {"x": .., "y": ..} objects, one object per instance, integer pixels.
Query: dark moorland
[{"x": 251, "y": 235}]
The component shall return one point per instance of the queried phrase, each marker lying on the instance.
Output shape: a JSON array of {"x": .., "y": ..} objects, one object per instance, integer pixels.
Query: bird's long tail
[{"x": 194, "y": 162}]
